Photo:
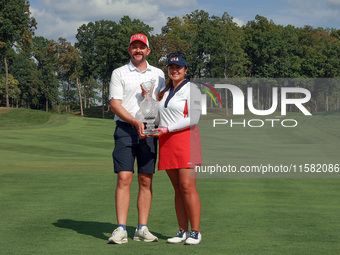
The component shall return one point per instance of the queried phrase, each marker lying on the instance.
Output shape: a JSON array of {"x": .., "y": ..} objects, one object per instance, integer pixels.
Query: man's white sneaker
[
  {"x": 195, "y": 237},
  {"x": 144, "y": 235},
  {"x": 119, "y": 236},
  {"x": 180, "y": 237}
]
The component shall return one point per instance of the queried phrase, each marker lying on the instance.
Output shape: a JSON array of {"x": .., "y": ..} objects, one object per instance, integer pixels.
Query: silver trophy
[{"x": 149, "y": 107}]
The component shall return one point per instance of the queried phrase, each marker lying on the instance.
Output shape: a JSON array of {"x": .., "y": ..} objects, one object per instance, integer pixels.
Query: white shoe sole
[
  {"x": 174, "y": 242},
  {"x": 138, "y": 239},
  {"x": 117, "y": 242}
]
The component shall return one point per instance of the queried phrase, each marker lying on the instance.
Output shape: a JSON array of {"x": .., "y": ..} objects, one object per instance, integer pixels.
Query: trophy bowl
[{"x": 149, "y": 107}]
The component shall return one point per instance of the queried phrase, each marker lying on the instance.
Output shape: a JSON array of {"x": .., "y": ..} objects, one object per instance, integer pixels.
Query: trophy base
[{"x": 149, "y": 132}]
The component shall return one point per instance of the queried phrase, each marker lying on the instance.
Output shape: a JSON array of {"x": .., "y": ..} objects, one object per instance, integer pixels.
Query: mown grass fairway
[{"x": 57, "y": 190}]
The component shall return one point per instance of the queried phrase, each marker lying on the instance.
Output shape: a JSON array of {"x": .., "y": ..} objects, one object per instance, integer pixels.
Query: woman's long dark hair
[{"x": 168, "y": 85}]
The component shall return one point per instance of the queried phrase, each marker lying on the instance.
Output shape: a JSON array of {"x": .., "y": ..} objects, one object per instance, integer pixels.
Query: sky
[{"x": 62, "y": 18}]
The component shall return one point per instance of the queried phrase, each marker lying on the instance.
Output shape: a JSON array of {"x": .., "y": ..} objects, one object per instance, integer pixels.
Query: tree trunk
[
  {"x": 6, "y": 82},
  {"x": 226, "y": 103},
  {"x": 258, "y": 97},
  {"x": 89, "y": 102},
  {"x": 80, "y": 98},
  {"x": 85, "y": 98},
  {"x": 103, "y": 100},
  {"x": 226, "y": 91},
  {"x": 316, "y": 106},
  {"x": 68, "y": 106},
  {"x": 46, "y": 96},
  {"x": 89, "y": 93}
]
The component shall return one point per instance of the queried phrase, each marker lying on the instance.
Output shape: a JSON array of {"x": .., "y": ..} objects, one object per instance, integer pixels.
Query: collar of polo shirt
[{"x": 132, "y": 67}]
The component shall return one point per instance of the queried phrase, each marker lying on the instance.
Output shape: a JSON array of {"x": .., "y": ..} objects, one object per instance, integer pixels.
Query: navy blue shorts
[{"x": 128, "y": 147}]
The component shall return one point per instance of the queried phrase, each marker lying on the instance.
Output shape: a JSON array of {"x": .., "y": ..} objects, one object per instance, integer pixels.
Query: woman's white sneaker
[
  {"x": 195, "y": 237},
  {"x": 119, "y": 236},
  {"x": 180, "y": 237}
]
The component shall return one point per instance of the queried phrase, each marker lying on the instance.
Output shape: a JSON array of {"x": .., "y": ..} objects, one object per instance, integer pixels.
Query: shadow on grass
[{"x": 100, "y": 230}]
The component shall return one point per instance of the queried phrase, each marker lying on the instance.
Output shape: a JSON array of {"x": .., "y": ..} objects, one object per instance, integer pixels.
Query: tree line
[{"x": 39, "y": 73}]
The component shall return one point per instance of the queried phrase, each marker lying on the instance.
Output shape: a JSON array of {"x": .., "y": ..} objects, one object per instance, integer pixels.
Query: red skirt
[{"x": 181, "y": 149}]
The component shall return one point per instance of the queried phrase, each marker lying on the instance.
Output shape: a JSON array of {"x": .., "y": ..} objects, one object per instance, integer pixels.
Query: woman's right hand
[{"x": 161, "y": 131}]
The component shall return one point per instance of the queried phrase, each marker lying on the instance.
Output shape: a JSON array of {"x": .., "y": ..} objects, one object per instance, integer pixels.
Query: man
[{"x": 130, "y": 143}]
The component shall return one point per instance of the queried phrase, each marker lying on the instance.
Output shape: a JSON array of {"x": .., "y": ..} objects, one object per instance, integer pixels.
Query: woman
[{"x": 180, "y": 146}]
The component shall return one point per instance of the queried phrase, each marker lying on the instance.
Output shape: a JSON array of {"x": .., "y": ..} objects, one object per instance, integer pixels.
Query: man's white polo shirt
[{"x": 125, "y": 85}]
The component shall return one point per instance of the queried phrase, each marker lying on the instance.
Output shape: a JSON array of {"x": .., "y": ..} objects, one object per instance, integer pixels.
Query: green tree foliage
[
  {"x": 320, "y": 59},
  {"x": 16, "y": 26},
  {"x": 13, "y": 88},
  {"x": 212, "y": 45},
  {"x": 25, "y": 71},
  {"x": 263, "y": 46},
  {"x": 86, "y": 47},
  {"x": 101, "y": 52},
  {"x": 46, "y": 60},
  {"x": 176, "y": 36},
  {"x": 103, "y": 47},
  {"x": 215, "y": 47},
  {"x": 227, "y": 57},
  {"x": 68, "y": 68},
  {"x": 287, "y": 52}
]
